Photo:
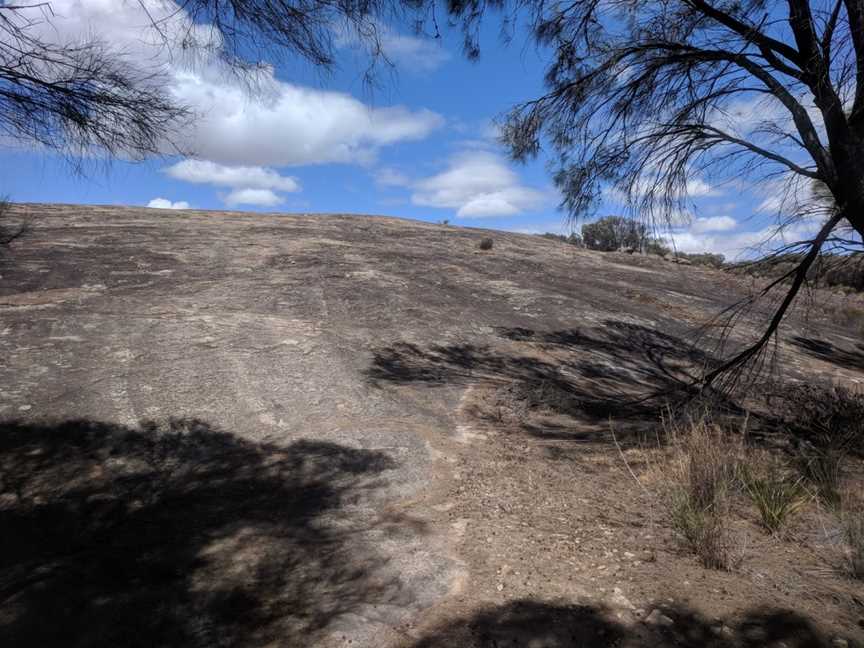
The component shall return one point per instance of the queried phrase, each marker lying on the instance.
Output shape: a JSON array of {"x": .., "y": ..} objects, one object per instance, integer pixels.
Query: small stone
[
  {"x": 629, "y": 555},
  {"x": 619, "y": 600},
  {"x": 659, "y": 619},
  {"x": 839, "y": 643},
  {"x": 500, "y": 587},
  {"x": 25, "y": 408}
]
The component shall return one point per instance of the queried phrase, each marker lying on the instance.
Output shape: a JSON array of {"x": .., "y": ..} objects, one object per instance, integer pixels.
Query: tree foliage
[
  {"x": 75, "y": 96},
  {"x": 647, "y": 96},
  {"x": 614, "y": 233},
  {"x": 80, "y": 95}
]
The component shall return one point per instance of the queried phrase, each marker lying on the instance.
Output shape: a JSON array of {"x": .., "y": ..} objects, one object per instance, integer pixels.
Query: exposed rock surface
[{"x": 288, "y": 399}]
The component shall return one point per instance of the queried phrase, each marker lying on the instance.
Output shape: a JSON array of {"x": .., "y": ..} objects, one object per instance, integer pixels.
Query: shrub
[
  {"x": 700, "y": 482},
  {"x": 7, "y": 233},
  {"x": 776, "y": 496},
  {"x": 656, "y": 247},
  {"x": 486, "y": 244},
  {"x": 822, "y": 468},
  {"x": 831, "y": 422},
  {"x": 704, "y": 530},
  {"x": 571, "y": 239},
  {"x": 706, "y": 259},
  {"x": 613, "y": 233},
  {"x": 853, "y": 530},
  {"x": 505, "y": 405}
]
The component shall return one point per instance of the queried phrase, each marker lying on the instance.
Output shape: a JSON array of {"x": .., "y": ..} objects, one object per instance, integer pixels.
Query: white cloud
[
  {"x": 388, "y": 177},
  {"x": 244, "y": 177},
  {"x": 279, "y": 124},
  {"x": 478, "y": 184},
  {"x": 416, "y": 54},
  {"x": 164, "y": 203},
  {"x": 411, "y": 53},
  {"x": 738, "y": 245},
  {"x": 698, "y": 188},
  {"x": 713, "y": 224},
  {"x": 290, "y": 125},
  {"x": 257, "y": 197}
]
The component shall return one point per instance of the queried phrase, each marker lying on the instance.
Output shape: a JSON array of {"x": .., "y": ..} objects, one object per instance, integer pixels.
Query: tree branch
[{"x": 800, "y": 275}]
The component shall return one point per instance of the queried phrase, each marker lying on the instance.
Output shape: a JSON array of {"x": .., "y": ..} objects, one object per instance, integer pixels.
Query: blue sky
[{"x": 421, "y": 145}]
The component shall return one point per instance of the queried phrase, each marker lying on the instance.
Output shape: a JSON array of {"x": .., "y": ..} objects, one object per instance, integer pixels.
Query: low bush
[
  {"x": 829, "y": 425},
  {"x": 486, "y": 244},
  {"x": 777, "y": 496},
  {"x": 822, "y": 469},
  {"x": 8, "y": 233},
  {"x": 699, "y": 483}
]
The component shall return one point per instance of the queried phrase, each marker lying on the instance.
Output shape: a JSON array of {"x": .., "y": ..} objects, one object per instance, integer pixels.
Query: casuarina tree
[{"x": 648, "y": 98}]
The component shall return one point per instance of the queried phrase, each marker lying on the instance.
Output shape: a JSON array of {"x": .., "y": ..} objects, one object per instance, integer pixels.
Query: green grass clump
[{"x": 776, "y": 496}]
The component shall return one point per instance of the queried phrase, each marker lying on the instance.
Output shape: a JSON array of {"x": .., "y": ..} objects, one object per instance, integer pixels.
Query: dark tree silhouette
[
  {"x": 77, "y": 97},
  {"x": 640, "y": 98},
  {"x": 81, "y": 95}
]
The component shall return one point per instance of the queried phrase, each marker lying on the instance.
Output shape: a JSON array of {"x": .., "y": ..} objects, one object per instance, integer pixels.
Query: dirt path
[{"x": 229, "y": 429}]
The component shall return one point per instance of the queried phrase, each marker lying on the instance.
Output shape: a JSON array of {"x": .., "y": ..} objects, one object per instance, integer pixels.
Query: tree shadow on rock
[
  {"x": 828, "y": 352},
  {"x": 546, "y": 625},
  {"x": 620, "y": 369},
  {"x": 179, "y": 534}
]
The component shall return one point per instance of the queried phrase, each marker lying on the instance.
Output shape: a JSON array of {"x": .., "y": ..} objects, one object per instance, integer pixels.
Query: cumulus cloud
[
  {"x": 416, "y": 54},
  {"x": 164, "y": 203},
  {"x": 290, "y": 125},
  {"x": 256, "y": 197},
  {"x": 713, "y": 224},
  {"x": 738, "y": 245},
  {"x": 735, "y": 244},
  {"x": 478, "y": 184},
  {"x": 279, "y": 124},
  {"x": 245, "y": 177}
]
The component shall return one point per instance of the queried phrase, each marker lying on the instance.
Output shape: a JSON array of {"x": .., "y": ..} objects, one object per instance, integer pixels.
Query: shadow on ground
[
  {"x": 542, "y": 625},
  {"x": 620, "y": 369},
  {"x": 180, "y": 534},
  {"x": 828, "y": 352}
]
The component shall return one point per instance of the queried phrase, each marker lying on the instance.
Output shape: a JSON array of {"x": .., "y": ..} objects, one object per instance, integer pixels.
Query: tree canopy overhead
[{"x": 647, "y": 97}]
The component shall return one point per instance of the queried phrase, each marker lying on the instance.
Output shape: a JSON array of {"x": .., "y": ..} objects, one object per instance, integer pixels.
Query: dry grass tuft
[
  {"x": 831, "y": 422},
  {"x": 777, "y": 495},
  {"x": 700, "y": 481},
  {"x": 853, "y": 531}
]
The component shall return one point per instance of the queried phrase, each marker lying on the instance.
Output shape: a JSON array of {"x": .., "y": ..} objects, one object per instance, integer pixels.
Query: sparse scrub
[
  {"x": 853, "y": 531},
  {"x": 822, "y": 468},
  {"x": 777, "y": 496},
  {"x": 505, "y": 405},
  {"x": 7, "y": 233},
  {"x": 486, "y": 244},
  {"x": 831, "y": 422},
  {"x": 701, "y": 479},
  {"x": 703, "y": 529},
  {"x": 850, "y": 315}
]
